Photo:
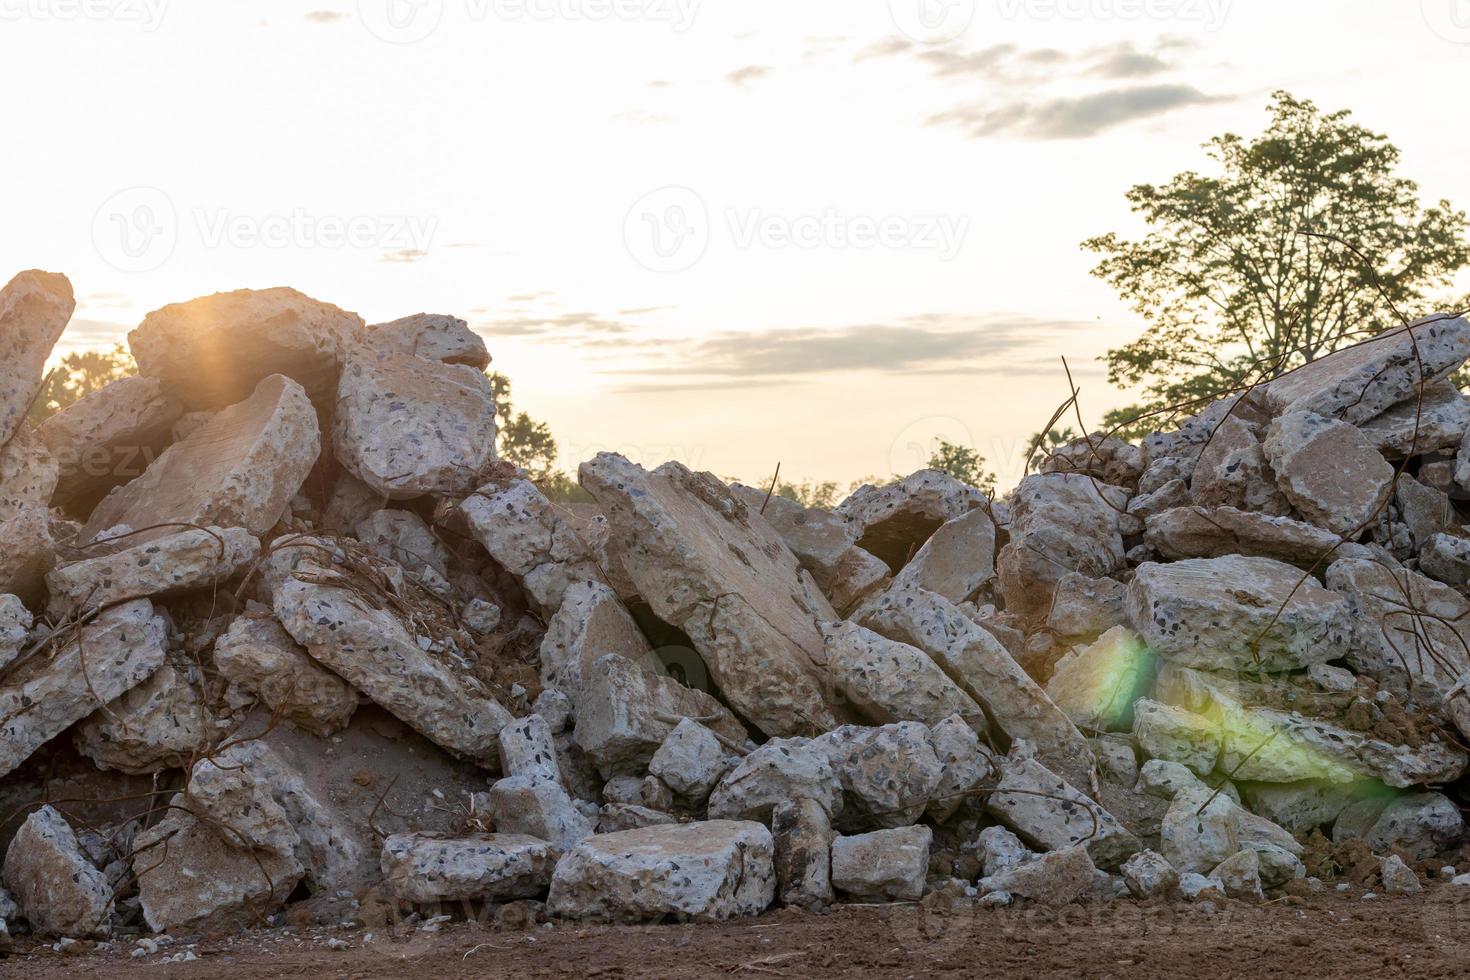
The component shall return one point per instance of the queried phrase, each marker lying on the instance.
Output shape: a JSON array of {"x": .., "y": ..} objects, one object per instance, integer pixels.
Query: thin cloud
[
  {"x": 744, "y": 76},
  {"x": 1073, "y": 117},
  {"x": 405, "y": 256},
  {"x": 1126, "y": 61},
  {"x": 326, "y": 16},
  {"x": 560, "y": 327}
]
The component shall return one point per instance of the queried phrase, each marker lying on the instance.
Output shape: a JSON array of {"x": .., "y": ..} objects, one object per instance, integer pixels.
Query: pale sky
[{"x": 732, "y": 232}]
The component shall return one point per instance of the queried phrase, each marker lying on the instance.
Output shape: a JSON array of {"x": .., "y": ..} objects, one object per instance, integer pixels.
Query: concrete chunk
[
  {"x": 1329, "y": 471},
  {"x": 58, "y": 889},
  {"x": 802, "y": 832},
  {"x": 1060, "y": 523},
  {"x": 259, "y": 656},
  {"x": 709, "y": 871},
  {"x": 168, "y": 565},
  {"x": 485, "y": 867},
  {"x": 885, "y": 865},
  {"x": 240, "y": 469},
  {"x": 35, "y": 308},
  {"x": 432, "y": 336},
  {"x": 888, "y": 681}
]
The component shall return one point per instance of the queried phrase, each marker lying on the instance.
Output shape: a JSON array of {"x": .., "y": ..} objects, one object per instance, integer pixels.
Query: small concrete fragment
[
  {"x": 240, "y": 469},
  {"x": 50, "y": 692},
  {"x": 802, "y": 832},
  {"x": 1149, "y": 875},
  {"x": 58, "y": 889},
  {"x": 1422, "y": 825},
  {"x": 15, "y": 627},
  {"x": 1329, "y": 471},
  {"x": 162, "y": 723},
  {"x": 260, "y": 657},
  {"x": 172, "y": 564},
  {"x": 1446, "y": 558},
  {"x": 1000, "y": 850},
  {"x": 1233, "y": 472},
  {"x": 1218, "y": 532},
  {"x": 1240, "y": 876},
  {"x": 1105, "y": 458},
  {"x": 964, "y": 766},
  {"x": 27, "y": 553},
  {"x": 1416, "y": 427},
  {"x": 1058, "y": 878},
  {"x": 1098, "y": 687},
  {"x": 1237, "y": 614},
  {"x": 1398, "y": 878},
  {"x": 403, "y": 537},
  {"x": 408, "y": 427},
  {"x": 711, "y": 871},
  {"x": 1083, "y": 608},
  {"x": 213, "y": 350},
  {"x": 883, "y": 866},
  {"x": 430, "y": 868},
  {"x": 28, "y": 474},
  {"x": 691, "y": 760}
]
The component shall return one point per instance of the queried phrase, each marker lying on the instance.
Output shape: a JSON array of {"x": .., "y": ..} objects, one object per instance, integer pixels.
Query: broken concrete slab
[
  {"x": 15, "y": 627},
  {"x": 1058, "y": 878},
  {"x": 408, "y": 427},
  {"x": 1233, "y": 472},
  {"x": 956, "y": 561},
  {"x": 887, "y": 681},
  {"x": 375, "y": 652},
  {"x": 28, "y": 473},
  {"x": 591, "y": 623},
  {"x": 1173, "y": 734},
  {"x": 1084, "y": 608},
  {"x": 405, "y": 538},
  {"x": 1051, "y": 815},
  {"x": 58, "y": 889},
  {"x": 709, "y": 565},
  {"x": 1098, "y": 686},
  {"x": 1149, "y": 875},
  {"x": 710, "y": 871},
  {"x": 802, "y": 833},
  {"x": 431, "y": 868},
  {"x": 162, "y": 723},
  {"x": 1060, "y": 523},
  {"x": 1204, "y": 828},
  {"x": 82, "y": 669},
  {"x": 526, "y": 533},
  {"x": 824, "y": 542},
  {"x": 625, "y": 712},
  {"x": 240, "y": 469},
  {"x": 781, "y": 769},
  {"x": 895, "y": 520},
  {"x": 35, "y": 308},
  {"x": 108, "y": 438},
  {"x": 167, "y": 565},
  {"x": 433, "y": 337},
  {"x": 1358, "y": 383},
  {"x": 964, "y": 763},
  {"x": 1422, "y": 825},
  {"x": 191, "y": 879},
  {"x": 888, "y": 774},
  {"x": 984, "y": 669},
  {"x": 260, "y": 657},
  {"x": 1237, "y": 613},
  {"x": 1218, "y": 532},
  {"x": 884, "y": 865},
  {"x": 212, "y": 351},
  {"x": 1446, "y": 558},
  {"x": 1329, "y": 471},
  {"x": 537, "y": 805},
  {"x": 27, "y": 553},
  {"x": 1418, "y": 426}
]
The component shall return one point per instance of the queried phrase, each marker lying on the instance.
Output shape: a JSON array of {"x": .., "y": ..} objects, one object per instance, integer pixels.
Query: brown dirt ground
[{"x": 1339, "y": 936}]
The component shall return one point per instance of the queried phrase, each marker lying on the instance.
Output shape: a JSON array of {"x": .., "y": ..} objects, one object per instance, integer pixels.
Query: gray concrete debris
[
  {"x": 433, "y": 337},
  {"x": 58, "y": 889},
  {"x": 1049, "y": 814},
  {"x": 1233, "y": 472},
  {"x": 691, "y": 760},
  {"x": 1149, "y": 875},
  {"x": 15, "y": 626},
  {"x": 1329, "y": 471},
  {"x": 894, "y": 521},
  {"x": 884, "y": 866},
  {"x": 710, "y": 871},
  {"x": 485, "y": 867},
  {"x": 258, "y": 656},
  {"x": 35, "y": 308},
  {"x": 1060, "y": 523},
  {"x": 956, "y": 561},
  {"x": 782, "y": 769},
  {"x": 591, "y": 623},
  {"x": 708, "y": 564},
  {"x": 1058, "y": 878},
  {"x": 887, "y": 681},
  {"x": 888, "y": 774},
  {"x": 803, "y": 836},
  {"x": 1418, "y": 426}
]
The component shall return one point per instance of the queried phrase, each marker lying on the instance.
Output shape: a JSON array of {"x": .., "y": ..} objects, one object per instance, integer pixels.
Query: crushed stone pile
[{"x": 323, "y": 654}]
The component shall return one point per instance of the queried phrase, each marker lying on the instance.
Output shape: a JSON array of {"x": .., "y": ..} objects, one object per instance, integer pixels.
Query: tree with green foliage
[
  {"x": 530, "y": 445},
  {"x": 79, "y": 375},
  {"x": 811, "y": 494},
  {"x": 964, "y": 464},
  {"x": 1304, "y": 240}
]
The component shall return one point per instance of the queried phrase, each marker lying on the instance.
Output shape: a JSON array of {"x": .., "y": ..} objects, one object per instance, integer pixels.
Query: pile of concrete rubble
[{"x": 281, "y": 640}]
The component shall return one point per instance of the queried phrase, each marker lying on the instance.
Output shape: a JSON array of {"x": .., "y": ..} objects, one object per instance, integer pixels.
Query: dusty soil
[{"x": 1327, "y": 936}]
